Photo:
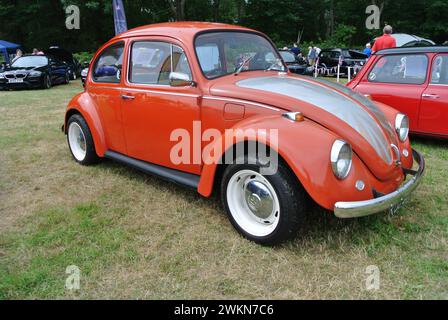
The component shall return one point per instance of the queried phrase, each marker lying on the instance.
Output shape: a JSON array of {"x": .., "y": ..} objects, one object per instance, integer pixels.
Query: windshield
[
  {"x": 223, "y": 53},
  {"x": 288, "y": 57},
  {"x": 30, "y": 62}
]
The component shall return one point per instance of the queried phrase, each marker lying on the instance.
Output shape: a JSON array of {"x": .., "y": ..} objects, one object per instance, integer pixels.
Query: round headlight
[
  {"x": 341, "y": 159},
  {"x": 402, "y": 126},
  {"x": 84, "y": 72}
]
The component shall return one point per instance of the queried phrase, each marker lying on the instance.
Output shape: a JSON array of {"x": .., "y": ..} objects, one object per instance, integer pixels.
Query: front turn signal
[{"x": 294, "y": 116}]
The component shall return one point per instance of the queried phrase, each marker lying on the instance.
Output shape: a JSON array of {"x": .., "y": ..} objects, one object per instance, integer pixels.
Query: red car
[
  {"x": 413, "y": 81},
  {"x": 214, "y": 107}
]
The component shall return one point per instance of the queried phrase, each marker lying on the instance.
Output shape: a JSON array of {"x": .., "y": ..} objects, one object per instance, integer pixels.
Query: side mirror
[{"x": 178, "y": 79}]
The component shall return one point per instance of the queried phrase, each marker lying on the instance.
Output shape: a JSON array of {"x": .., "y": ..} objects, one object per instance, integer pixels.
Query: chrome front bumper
[{"x": 357, "y": 209}]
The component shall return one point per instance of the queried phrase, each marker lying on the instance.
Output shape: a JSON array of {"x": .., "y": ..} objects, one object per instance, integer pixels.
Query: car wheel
[
  {"x": 80, "y": 141},
  {"x": 265, "y": 209},
  {"x": 67, "y": 78},
  {"x": 46, "y": 84}
]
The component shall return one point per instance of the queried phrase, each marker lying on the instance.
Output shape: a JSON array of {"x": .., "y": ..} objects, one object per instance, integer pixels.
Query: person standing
[
  {"x": 312, "y": 56},
  {"x": 385, "y": 41},
  {"x": 368, "y": 50},
  {"x": 295, "y": 49}
]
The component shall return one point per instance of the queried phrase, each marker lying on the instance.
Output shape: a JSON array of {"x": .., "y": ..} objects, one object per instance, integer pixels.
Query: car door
[
  {"x": 398, "y": 81},
  {"x": 153, "y": 110},
  {"x": 434, "y": 106},
  {"x": 55, "y": 70},
  {"x": 104, "y": 88}
]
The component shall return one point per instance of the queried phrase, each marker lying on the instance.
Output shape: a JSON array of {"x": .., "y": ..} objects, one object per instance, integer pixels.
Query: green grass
[{"x": 135, "y": 236}]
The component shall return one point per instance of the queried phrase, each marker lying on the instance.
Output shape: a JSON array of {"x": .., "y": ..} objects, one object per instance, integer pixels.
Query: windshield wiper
[
  {"x": 276, "y": 63},
  {"x": 243, "y": 64}
]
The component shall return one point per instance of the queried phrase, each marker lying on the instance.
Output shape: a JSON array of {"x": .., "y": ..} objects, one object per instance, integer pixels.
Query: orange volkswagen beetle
[{"x": 213, "y": 107}]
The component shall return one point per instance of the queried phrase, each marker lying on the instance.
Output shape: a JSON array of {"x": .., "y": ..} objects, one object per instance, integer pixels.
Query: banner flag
[{"x": 121, "y": 24}]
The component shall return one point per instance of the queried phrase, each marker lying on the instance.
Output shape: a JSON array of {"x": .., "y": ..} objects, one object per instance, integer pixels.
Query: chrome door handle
[
  {"x": 127, "y": 97},
  {"x": 430, "y": 96}
]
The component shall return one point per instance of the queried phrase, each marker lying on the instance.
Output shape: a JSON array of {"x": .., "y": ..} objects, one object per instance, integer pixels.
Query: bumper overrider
[{"x": 388, "y": 202}]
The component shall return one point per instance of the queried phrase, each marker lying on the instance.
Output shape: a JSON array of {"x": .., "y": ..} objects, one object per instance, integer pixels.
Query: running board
[{"x": 186, "y": 179}]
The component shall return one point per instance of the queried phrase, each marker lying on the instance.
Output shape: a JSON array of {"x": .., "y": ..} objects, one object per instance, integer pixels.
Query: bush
[{"x": 83, "y": 57}]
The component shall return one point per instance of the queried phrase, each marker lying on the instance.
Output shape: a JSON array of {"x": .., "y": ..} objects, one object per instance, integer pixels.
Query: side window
[
  {"x": 109, "y": 64},
  {"x": 209, "y": 58},
  {"x": 152, "y": 62},
  {"x": 439, "y": 72},
  {"x": 403, "y": 69}
]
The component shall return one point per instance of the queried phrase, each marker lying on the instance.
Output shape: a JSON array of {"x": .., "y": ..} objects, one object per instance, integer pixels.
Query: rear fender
[{"x": 83, "y": 104}]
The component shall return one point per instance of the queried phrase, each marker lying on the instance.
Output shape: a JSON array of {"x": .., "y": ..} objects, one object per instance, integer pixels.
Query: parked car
[
  {"x": 84, "y": 73},
  {"x": 30, "y": 71},
  {"x": 331, "y": 58},
  {"x": 413, "y": 81},
  {"x": 74, "y": 66},
  {"x": 295, "y": 64},
  {"x": 178, "y": 100},
  {"x": 408, "y": 40}
]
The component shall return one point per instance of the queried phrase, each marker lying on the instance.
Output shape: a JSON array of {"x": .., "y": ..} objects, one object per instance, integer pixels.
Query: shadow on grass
[{"x": 320, "y": 224}]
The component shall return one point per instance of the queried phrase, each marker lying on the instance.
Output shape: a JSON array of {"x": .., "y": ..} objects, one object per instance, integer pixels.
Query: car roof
[
  {"x": 434, "y": 49},
  {"x": 183, "y": 30}
]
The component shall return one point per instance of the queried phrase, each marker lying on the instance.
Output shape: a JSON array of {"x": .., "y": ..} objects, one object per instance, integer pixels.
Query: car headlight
[
  {"x": 84, "y": 72},
  {"x": 402, "y": 126},
  {"x": 2, "y": 76},
  {"x": 341, "y": 159},
  {"x": 35, "y": 74}
]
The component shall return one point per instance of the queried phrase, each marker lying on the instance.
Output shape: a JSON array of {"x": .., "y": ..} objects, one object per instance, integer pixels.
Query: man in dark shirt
[
  {"x": 295, "y": 49},
  {"x": 385, "y": 41}
]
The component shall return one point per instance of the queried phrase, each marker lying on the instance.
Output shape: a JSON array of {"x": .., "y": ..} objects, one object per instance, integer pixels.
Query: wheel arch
[{"x": 83, "y": 105}]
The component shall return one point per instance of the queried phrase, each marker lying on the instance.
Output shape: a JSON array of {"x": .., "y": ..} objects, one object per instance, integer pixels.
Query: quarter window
[
  {"x": 403, "y": 69},
  {"x": 152, "y": 62},
  {"x": 109, "y": 64},
  {"x": 439, "y": 72}
]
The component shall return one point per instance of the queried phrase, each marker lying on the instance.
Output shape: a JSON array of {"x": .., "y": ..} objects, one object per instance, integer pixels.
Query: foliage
[
  {"x": 41, "y": 23},
  {"x": 83, "y": 57}
]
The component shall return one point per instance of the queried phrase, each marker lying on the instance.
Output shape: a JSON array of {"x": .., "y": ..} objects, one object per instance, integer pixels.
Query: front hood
[
  {"x": 23, "y": 70},
  {"x": 356, "y": 115}
]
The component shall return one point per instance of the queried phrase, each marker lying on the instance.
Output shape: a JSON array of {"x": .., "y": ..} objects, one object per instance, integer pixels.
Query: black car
[
  {"x": 331, "y": 58},
  {"x": 34, "y": 71},
  {"x": 75, "y": 67},
  {"x": 295, "y": 64}
]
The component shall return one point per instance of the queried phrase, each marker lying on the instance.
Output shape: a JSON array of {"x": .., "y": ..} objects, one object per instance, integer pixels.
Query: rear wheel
[
  {"x": 265, "y": 209},
  {"x": 80, "y": 141}
]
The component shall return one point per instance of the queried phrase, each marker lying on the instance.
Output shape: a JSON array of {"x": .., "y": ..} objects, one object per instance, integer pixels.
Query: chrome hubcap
[
  {"x": 259, "y": 199},
  {"x": 253, "y": 203}
]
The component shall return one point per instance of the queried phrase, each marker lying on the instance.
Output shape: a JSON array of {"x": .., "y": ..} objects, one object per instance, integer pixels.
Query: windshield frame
[
  {"x": 253, "y": 32},
  {"x": 34, "y": 66}
]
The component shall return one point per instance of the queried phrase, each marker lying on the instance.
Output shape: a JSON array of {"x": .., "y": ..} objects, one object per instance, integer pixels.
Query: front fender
[
  {"x": 305, "y": 147},
  {"x": 84, "y": 105}
]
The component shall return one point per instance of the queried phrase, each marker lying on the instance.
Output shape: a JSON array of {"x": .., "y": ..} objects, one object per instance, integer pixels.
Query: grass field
[{"x": 135, "y": 236}]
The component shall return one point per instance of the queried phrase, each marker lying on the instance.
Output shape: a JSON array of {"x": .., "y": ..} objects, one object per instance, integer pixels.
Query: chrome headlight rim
[
  {"x": 402, "y": 126},
  {"x": 341, "y": 147}
]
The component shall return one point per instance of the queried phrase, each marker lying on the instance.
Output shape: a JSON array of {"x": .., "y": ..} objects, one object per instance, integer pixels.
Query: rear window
[{"x": 402, "y": 69}]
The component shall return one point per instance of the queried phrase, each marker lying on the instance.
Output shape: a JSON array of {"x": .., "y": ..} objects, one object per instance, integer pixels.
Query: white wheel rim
[
  {"x": 77, "y": 141},
  {"x": 253, "y": 203}
]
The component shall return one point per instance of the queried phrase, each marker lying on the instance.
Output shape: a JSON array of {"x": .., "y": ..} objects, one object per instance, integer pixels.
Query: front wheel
[
  {"x": 46, "y": 82},
  {"x": 265, "y": 209},
  {"x": 80, "y": 141}
]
